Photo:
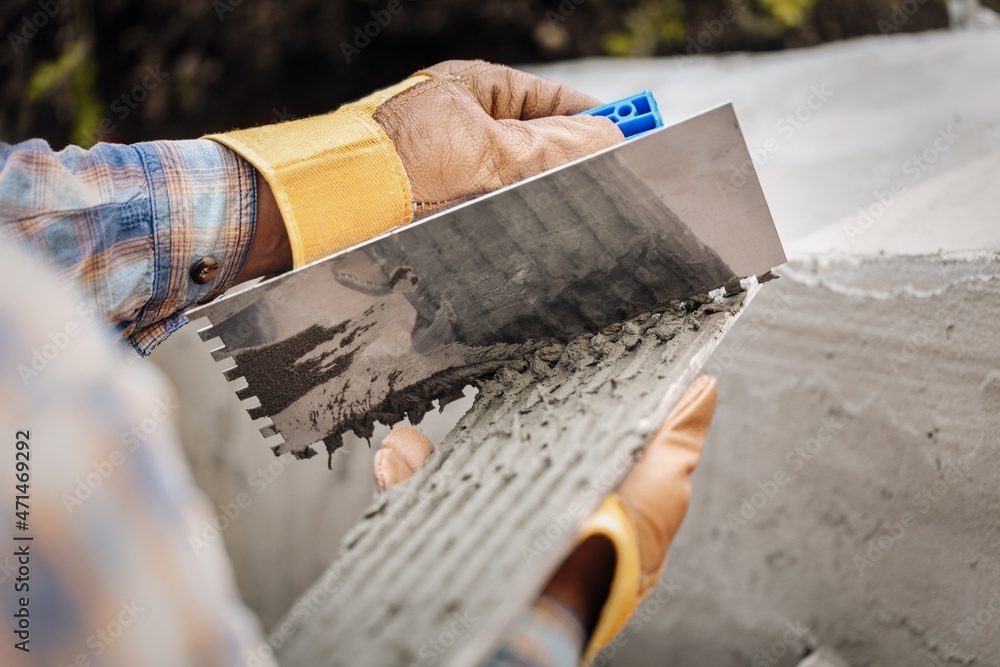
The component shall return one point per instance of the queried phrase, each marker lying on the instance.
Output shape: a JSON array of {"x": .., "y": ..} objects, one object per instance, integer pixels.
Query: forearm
[
  {"x": 270, "y": 251},
  {"x": 145, "y": 231}
]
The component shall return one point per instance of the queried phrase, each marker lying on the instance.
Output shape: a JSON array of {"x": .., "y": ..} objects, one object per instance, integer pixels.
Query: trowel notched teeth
[
  {"x": 207, "y": 333},
  {"x": 765, "y": 277},
  {"x": 245, "y": 394}
]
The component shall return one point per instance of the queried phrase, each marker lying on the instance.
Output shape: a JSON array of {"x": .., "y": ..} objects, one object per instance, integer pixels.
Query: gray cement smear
[
  {"x": 440, "y": 565},
  {"x": 855, "y": 494}
]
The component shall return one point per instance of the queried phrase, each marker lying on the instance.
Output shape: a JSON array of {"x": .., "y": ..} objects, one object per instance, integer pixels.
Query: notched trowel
[{"x": 379, "y": 331}]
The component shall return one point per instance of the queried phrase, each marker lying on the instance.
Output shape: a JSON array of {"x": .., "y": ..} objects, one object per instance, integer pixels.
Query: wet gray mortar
[{"x": 475, "y": 534}]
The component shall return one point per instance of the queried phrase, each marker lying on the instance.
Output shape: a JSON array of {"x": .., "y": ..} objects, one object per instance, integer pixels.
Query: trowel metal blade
[{"x": 384, "y": 328}]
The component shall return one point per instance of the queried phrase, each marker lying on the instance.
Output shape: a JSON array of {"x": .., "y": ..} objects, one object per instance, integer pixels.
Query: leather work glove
[
  {"x": 446, "y": 134},
  {"x": 643, "y": 517},
  {"x": 640, "y": 520},
  {"x": 402, "y": 452}
]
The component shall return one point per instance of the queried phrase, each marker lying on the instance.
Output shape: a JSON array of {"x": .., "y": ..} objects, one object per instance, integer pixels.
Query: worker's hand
[
  {"x": 623, "y": 546},
  {"x": 446, "y": 134},
  {"x": 473, "y": 127},
  {"x": 634, "y": 528},
  {"x": 403, "y": 451},
  {"x": 657, "y": 490},
  {"x": 654, "y": 495}
]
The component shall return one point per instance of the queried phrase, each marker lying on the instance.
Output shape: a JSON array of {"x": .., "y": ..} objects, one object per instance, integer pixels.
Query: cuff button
[{"x": 204, "y": 270}]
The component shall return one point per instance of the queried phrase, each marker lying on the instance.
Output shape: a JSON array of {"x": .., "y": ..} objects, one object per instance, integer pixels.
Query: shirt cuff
[
  {"x": 204, "y": 207},
  {"x": 546, "y": 634}
]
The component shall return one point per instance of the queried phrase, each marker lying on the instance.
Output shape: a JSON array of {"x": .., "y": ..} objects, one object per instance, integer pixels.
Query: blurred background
[{"x": 76, "y": 71}]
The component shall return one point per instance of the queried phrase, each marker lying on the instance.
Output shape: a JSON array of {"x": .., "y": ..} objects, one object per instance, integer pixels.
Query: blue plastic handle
[{"x": 633, "y": 115}]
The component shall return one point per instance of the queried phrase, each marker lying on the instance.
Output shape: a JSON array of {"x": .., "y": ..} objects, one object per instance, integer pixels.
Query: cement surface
[{"x": 850, "y": 488}]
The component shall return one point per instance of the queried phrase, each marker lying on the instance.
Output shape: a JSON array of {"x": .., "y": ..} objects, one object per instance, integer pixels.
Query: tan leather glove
[
  {"x": 403, "y": 451},
  {"x": 448, "y": 133},
  {"x": 640, "y": 520},
  {"x": 643, "y": 517}
]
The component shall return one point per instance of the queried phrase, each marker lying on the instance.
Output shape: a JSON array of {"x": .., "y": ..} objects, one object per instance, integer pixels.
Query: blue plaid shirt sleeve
[
  {"x": 127, "y": 223},
  {"x": 119, "y": 578}
]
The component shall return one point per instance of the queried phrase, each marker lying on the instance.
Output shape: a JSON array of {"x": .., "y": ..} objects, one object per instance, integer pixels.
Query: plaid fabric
[
  {"x": 120, "y": 572},
  {"x": 547, "y": 635},
  {"x": 126, "y": 223},
  {"x": 113, "y": 577}
]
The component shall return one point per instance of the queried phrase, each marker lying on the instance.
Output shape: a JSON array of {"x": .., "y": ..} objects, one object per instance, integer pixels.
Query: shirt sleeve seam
[
  {"x": 158, "y": 246},
  {"x": 248, "y": 215}
]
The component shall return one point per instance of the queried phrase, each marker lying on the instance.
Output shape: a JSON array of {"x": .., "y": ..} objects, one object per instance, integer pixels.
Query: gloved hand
[
  {"x": 447, "y": 133},
  {"x": 638, "y": 522},
  {"x": 402, "y": 452},
  {"x": 643, "y": 517}
]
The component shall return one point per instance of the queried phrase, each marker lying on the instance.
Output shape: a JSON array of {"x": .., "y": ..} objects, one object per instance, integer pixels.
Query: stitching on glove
[
  {"x": 463, "y": 75},
  {"x": 405, "y": 212},
  {"x": 435, "y": 77},
  {"x": 434, "y": 73},
  {"x": 405, "y": 97},
  {"x": 438, "y": 203},
  {"x": 482, "y": 71}
]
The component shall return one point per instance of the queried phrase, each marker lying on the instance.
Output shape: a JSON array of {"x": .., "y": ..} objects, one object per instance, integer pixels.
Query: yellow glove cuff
[
  {"x": 611, "y": 520},
  {"x": 337, "y": 178}
]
